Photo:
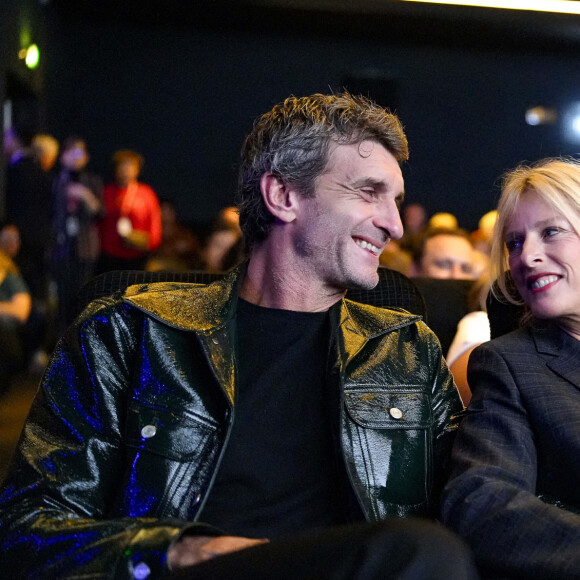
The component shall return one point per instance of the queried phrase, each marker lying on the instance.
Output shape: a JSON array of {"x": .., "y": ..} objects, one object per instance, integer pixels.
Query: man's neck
[{"x": 277, "y": 281}]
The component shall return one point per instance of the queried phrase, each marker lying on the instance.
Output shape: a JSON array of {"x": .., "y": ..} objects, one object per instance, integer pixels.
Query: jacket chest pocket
[
  {"x": 389, "y": 431},
  {"x": 169, "y": 461}
]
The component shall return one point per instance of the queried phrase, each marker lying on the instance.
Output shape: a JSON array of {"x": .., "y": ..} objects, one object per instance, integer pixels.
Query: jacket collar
[
  {"x": 195, "y": 307},
  {"x": 560, "y": 350},
  {"x": 209, "y": 309},
  {"x": 203, "y": 308},
  {"x": 360, "y": 322}
]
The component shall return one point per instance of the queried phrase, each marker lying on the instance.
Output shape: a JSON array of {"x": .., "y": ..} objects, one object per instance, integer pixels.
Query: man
[
  {"x": 77, "y": 205},
  {"x": 445, "y": 253},
  {"x": 132, "y": 227},
  {"x": 265, "y": 404}
]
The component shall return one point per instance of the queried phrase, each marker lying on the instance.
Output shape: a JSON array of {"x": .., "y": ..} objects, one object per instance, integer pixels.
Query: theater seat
[
  {"x": 447, "y": 303},
  {"x": 503, "y": 316},
  {"x": 394, "y": 290}
]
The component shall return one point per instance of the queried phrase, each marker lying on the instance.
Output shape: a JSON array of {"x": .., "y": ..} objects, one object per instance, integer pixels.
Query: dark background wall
[{"x": 183, "y": 88}]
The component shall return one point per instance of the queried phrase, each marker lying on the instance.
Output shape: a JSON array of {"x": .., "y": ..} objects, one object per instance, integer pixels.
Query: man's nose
[{"x": 389, "y": 219}]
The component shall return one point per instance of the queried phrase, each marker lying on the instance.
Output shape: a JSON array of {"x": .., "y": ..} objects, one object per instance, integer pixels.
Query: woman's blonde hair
[{"x": 556, "y": 181}]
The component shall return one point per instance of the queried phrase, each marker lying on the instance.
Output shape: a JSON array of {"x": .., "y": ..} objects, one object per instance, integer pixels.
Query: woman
[
  {"x": 132, "y": 227},
  {"x": 514, "y": 492}
]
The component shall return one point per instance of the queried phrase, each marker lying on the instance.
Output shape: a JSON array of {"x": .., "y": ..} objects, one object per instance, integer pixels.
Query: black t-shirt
[{"x": 280, "y": 471}]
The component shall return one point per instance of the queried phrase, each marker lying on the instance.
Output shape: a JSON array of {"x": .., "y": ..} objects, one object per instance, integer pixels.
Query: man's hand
[{"x": 191, "y": 550}]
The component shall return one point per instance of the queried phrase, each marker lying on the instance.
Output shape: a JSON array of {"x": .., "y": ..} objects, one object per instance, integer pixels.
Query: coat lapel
[{"x": 561, "y": 352}]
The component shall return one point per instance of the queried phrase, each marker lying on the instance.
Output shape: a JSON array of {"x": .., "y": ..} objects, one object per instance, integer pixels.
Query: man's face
[
  {"x": 127, "y": 172},
  {"x": 10, "y": 240},
  {"x": 448, "y": 256},
  {"x": 75, "y": 158},
  {"x": 342, "y": 230}
]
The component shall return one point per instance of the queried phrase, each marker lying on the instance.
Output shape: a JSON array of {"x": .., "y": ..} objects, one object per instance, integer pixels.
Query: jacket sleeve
[
  {"x": 55, "y": 506},
  {"x": 446, "y": 408},
  {"x": 490, "y": 499}
]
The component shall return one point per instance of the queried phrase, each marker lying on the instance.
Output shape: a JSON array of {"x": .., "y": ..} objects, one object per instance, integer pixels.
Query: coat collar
[{"x": 560, "y": 350}]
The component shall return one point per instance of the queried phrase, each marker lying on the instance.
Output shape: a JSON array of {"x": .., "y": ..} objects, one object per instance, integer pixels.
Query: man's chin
[{"x": 367, "y": 282}]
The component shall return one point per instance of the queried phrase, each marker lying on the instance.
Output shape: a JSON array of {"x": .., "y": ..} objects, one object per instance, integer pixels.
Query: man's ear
[{"x": 278, "y": 197}]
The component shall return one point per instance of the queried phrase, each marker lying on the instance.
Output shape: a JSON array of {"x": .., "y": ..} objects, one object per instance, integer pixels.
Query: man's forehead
[
  {"x": 368, "y": 156},
  {"x": 449, "y": 243}
]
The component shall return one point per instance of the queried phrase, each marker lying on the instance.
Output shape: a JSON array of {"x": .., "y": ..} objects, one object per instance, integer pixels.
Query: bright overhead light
[
  {"x": 559, "y": 6},
  {"x": 541, "y": 116},
  {"x": 30, "y": 55},
  {"x": 571, "y": 124}
]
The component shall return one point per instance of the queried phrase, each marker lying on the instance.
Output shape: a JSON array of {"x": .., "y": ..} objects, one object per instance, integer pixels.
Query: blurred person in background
[
  {"x": 45, "y": 150},
  {"x": 77, "y": 205},
  {"x": 131, "y": 228},
  {"x": 221, "y": 248},
  {"x": 445, "y": 253},
  {"x": 444, "y": 220},
  {"x": 482, "y": 236},
  {"x": 15, "y": 305},
  {"x": 28, "y": 207},
  {"x": 398, "y": 255},
  {"x": 179, "y": 246},
  {"x": 414, "y": 218},
  {"x": 10, "y": 240}
]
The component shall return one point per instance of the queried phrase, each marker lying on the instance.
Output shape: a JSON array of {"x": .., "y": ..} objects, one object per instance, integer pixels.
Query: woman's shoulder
[{"x": 514, "y": 341}]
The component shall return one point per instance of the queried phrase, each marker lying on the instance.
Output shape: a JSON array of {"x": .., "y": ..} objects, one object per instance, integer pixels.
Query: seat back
[
  {"x": 394, "y": 289},
  {"x": 447, "y": 303},
  {"x": 503, "y": 315}
]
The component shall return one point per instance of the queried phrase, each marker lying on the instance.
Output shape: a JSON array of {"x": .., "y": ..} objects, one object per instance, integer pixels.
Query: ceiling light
[
  {"x": 559, "y": 6},
  {"x": 30, "y": 55}
]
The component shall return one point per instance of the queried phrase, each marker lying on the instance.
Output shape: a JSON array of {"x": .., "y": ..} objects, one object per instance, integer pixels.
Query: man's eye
[{"x": 443, "y": 264}]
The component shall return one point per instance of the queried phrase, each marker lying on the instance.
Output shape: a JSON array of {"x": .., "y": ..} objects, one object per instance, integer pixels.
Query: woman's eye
[
  {"x": 549, "y": 232},
  {"x": 513, "y": 246}
]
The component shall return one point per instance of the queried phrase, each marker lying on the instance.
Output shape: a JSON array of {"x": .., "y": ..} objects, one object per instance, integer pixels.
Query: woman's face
[
  {"x": 544, "y": 258},
  {"x": 127, "y": 172}
]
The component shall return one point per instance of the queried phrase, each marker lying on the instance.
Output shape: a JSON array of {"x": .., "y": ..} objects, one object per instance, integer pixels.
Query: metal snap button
[
  {"x": 148, "y": 431},
  {"x": 396, "y": 413},
  {"x": 141, "y": 571}
]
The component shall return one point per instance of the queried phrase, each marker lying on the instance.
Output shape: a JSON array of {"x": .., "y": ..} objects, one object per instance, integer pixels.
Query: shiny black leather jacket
[{"x": 134, "y": 411}]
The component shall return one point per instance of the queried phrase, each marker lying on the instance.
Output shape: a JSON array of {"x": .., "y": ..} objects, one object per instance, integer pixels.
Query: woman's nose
[{"x": 532, "y": 252}]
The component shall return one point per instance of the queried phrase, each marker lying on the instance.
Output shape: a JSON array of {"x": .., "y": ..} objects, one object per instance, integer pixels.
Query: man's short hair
[
  {"x": 432, "y": 232},
  {"x": 293, "y": 140},
  {"x": 126, "y": 155}
]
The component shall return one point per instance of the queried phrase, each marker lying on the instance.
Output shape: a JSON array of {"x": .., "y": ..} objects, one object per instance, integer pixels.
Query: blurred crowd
[{"x": 63, "y": 225}]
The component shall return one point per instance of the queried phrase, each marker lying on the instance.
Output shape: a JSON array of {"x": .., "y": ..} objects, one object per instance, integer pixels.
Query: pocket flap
[
  {"x": 389, "y": 410},
  {"x": 164, "y": 433}
]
